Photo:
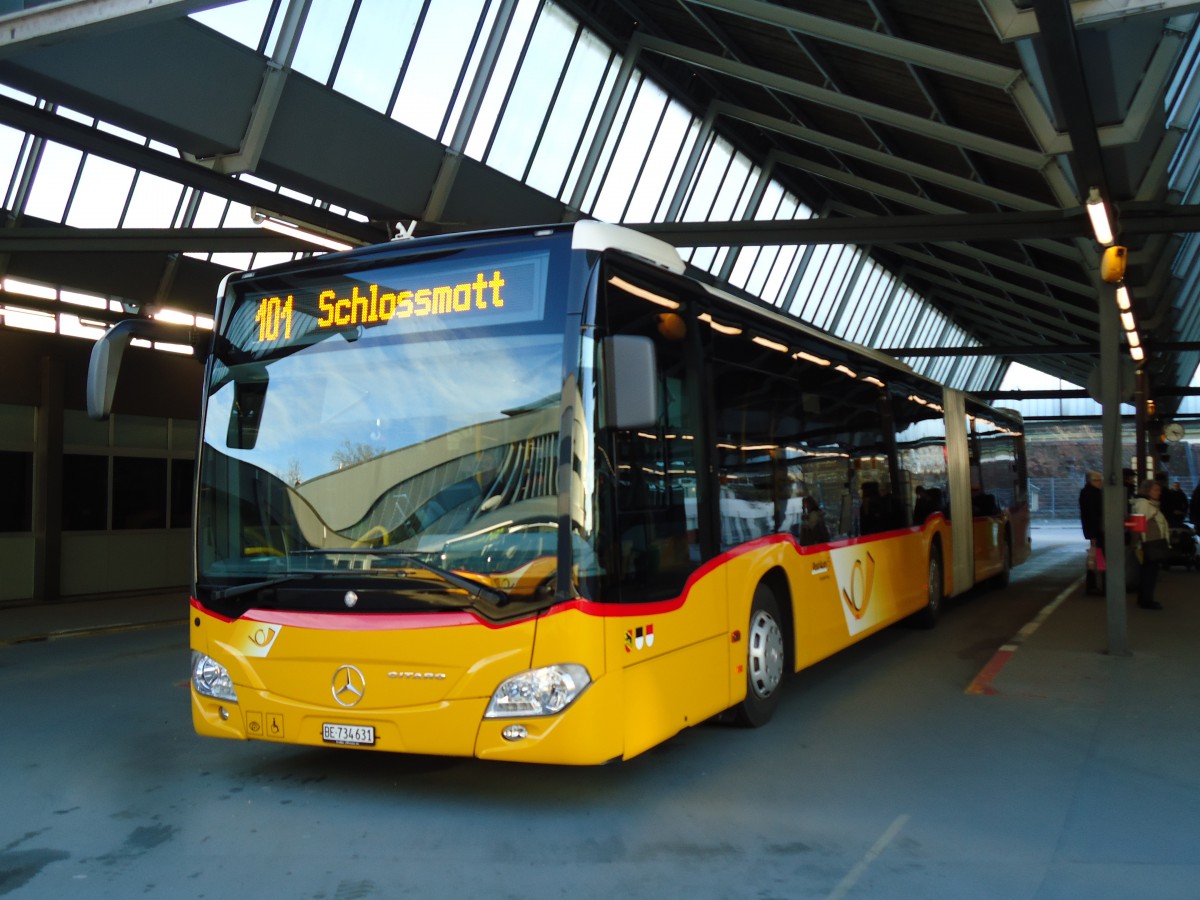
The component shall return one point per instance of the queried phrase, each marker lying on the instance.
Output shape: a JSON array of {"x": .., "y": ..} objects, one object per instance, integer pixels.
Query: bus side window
[
  {"x": 929, "y": 501},
  {"x": 762, "y": 485},
  {"x": 921, "y": 456},
  {"x": 995, "y": 452}
]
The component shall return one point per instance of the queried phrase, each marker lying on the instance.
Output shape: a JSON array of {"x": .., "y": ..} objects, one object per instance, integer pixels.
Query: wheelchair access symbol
[{"x": 264, "y": 726}]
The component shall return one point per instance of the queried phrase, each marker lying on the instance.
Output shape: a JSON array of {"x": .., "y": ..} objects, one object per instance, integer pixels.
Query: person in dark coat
[
  {"x": 1091, "y": 517},
  {"x": 1175, "y": 505},
  {"x": 878, "y": 511},
  {"x": 1195, "y": 511}
]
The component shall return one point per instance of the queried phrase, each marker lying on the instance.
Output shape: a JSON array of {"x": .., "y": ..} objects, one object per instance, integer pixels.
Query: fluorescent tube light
[
  {"x": 809, "y": 357},
  {"x": 1124, "y": 303},
  {"x": 292, "y": 231},
  {"x": 772, "y": 345},
  {"x": 302, "y": 231},
  {"x": 717, "y": 326},
  {"x": 1097, "y": 211},
  {"x": 643, "y": 293}
]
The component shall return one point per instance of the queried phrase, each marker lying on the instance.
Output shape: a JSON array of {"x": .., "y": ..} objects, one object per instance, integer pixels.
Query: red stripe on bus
[{"x": 339, "y": 621}]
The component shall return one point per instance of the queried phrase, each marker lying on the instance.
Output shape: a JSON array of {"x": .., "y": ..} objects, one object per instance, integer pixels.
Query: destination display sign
[{"x": 396, "y": 298}]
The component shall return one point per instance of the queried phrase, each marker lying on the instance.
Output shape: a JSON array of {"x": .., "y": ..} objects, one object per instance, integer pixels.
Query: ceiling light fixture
[
  {"x": 717, "y": 326},
  {"x": 302, "y": 231},
  {"x": 1124, "y": 303},
  {"x": 29, "y": 289},
  {"x": 769, "y": 344},
  {"x": 809, "y": 357},
  {"x": 624, "y": 285},
  {"x": 1097, "y": 211}
]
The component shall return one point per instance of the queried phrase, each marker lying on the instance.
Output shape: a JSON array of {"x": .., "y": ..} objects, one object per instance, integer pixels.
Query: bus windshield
[{"x": 395, "y": 422}]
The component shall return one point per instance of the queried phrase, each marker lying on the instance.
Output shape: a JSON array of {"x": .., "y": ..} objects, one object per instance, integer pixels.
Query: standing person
[
  {"x": 1195, "y": 510},
  {"x": 1091, "y": 517},
  {"x": 1147, "y": 504}
]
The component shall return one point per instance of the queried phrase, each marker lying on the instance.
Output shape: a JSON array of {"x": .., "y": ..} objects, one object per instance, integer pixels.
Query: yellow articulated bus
[{"x": 536, "y": 495}]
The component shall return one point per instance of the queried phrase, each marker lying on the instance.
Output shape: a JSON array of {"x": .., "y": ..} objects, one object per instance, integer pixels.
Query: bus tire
[
  {"x": 1001, "y": 580},
  {"x": 766, "y": 660},
  {"x": 928, "y": 616}
]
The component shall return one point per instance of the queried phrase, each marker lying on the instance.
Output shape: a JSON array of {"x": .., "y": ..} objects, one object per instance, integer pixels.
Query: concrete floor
[{"x": 1073, "y": 774}]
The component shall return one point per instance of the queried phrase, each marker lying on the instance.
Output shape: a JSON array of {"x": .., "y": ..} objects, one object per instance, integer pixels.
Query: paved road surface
[{"x": 879, "y": 777}]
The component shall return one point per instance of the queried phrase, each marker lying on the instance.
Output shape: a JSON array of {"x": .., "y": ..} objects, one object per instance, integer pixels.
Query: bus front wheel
[{"x": 766, "y": 660}]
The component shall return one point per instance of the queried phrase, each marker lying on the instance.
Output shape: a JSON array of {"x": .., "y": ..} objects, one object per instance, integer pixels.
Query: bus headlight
[
  {"x": 539, "y": 692},
  {"x": 211, "y": 679}
]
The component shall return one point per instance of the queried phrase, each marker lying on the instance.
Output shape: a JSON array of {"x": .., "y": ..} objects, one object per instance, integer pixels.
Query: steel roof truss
[
  {"x": 995, "y": 306},
  {"x": 845, "y": 103},
  {"x": 987, "y": 278},
  {"x": 874, "y": 42},
  {"x": 56, "y": 22},
  {"x": 879, "y": 158},
  {"x": 1012, "y": 22}
]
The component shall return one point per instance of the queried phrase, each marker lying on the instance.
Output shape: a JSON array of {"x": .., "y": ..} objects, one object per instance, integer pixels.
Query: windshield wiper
[
  {"x": 239, "y": 589},
  {"x": 472, "y": 587}
]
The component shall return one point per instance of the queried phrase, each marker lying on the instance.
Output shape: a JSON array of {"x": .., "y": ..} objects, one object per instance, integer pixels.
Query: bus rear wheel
[
  {"x": 766, "y": 660},
  {"x": 1006, "y": 556},
  {"x": 928, "y": 616}
]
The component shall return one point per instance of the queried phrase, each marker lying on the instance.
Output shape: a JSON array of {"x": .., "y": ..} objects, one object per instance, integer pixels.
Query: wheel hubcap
[{"x": 766, "y": 654}]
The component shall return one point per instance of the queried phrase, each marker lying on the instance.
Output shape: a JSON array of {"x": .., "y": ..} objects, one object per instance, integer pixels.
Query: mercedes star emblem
[{"x": 349, "y": 685}]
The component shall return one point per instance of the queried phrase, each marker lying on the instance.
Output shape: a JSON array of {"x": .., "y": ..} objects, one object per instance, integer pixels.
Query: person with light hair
[{"x": 1154, "y": 542}]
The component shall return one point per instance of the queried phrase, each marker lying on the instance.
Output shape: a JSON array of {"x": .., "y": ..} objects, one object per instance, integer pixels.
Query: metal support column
[
  {"x": 1114, "y": 486},
  {"x": 47, "y": 485},
  {"x": 1139, "y": 442}
]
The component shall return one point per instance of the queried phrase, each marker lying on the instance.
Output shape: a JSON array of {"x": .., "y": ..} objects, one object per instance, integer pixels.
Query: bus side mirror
[
  {"x": 246, "y": 415},
  {"x": 103, "y": 365},
  {"x": 631, "y": 380},
  {"x": 105, "y": 361}
]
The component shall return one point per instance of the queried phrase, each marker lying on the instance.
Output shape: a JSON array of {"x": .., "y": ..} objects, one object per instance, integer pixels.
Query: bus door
[{"x": 670, "y": 632}]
